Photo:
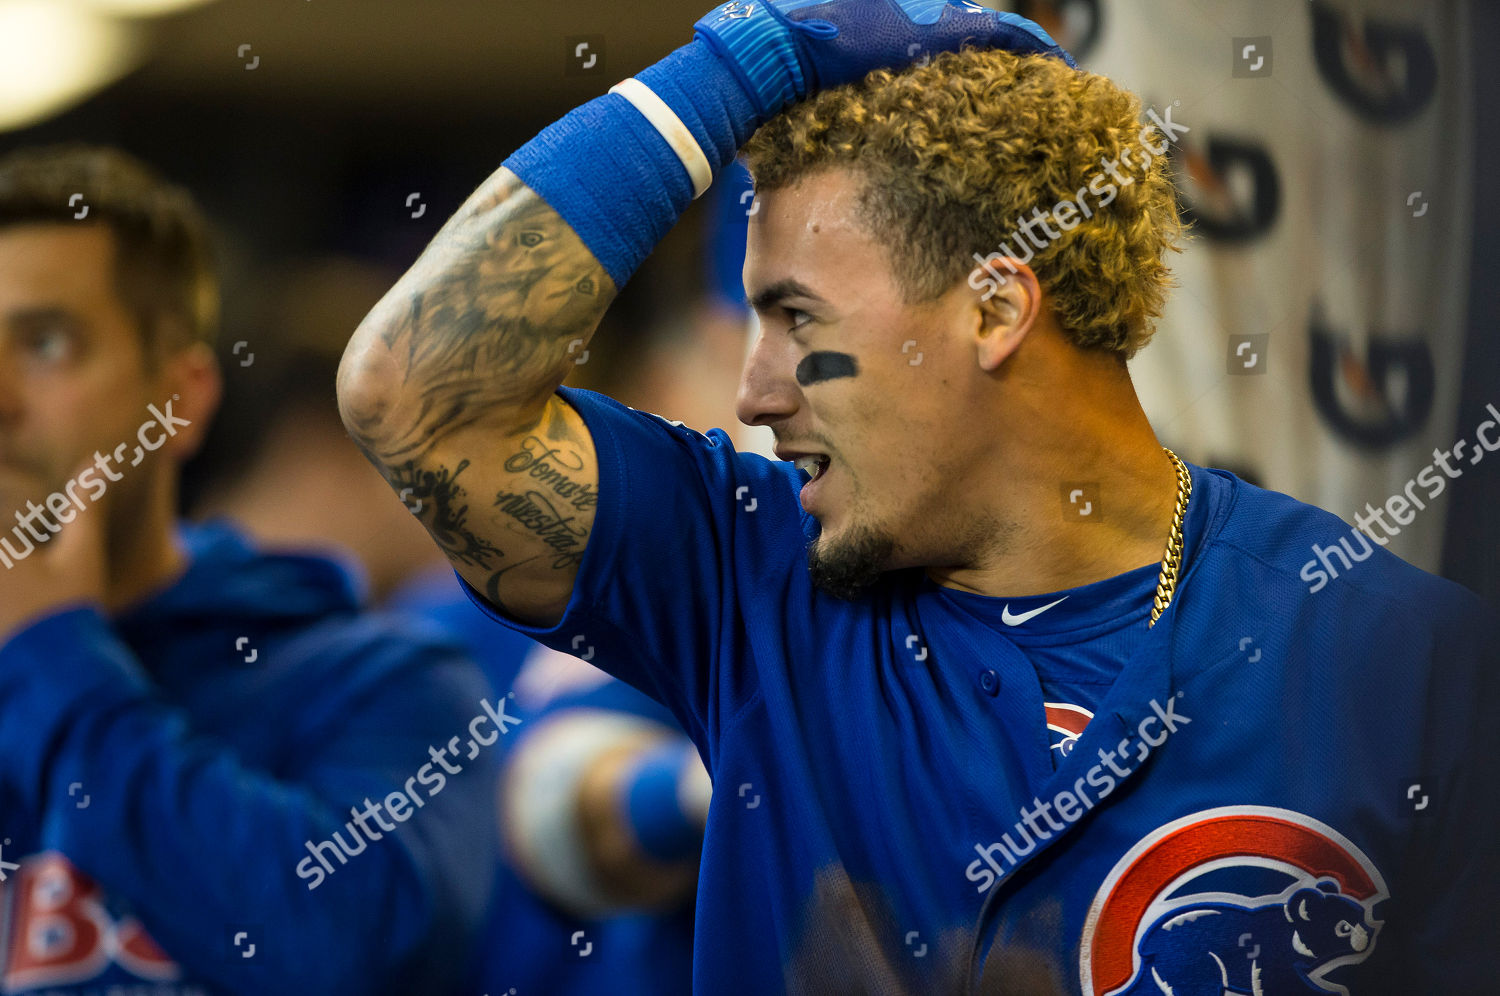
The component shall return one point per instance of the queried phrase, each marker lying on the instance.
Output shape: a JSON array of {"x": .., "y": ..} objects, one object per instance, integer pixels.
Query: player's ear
[
  {"x": 191, "y": 377},
  {"x": 1006, "y": 304}
]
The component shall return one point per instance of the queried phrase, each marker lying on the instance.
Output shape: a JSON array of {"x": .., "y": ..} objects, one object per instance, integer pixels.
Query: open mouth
[{"x": 814, "y": 466}]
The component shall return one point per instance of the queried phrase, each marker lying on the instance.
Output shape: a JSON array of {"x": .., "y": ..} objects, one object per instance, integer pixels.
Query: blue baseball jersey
[
  {"x": 1078, "y": 641},
  {"x": 168, "y": 774},
  {"x": 1280, "y": 788}
]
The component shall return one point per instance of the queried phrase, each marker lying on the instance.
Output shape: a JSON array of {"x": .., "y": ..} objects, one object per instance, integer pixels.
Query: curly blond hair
[{"x": 953, "y": 153}]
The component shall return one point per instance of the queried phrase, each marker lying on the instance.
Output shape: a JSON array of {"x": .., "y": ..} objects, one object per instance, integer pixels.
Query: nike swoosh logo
[{"x": 1014, "y": 620}]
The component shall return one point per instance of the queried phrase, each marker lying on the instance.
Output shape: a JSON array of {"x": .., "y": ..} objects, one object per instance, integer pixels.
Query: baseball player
[
  {"x": 997, "y": 693},
  {"x": 217, "y": 774}
]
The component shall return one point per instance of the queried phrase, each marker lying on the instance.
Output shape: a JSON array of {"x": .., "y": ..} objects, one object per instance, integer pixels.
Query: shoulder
[
  {"x": 1291, "y": 556},
  {"x": 623, "y": 427},
  {"x": 1370, "y": 641},
  {"x": 600, "y": 411},
  {"x": 645, "y": 460},
  {"x": 1295, "y": 549}
]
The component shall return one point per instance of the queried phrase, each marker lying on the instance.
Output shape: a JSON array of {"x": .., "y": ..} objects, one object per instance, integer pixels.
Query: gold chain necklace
[{"x": 1166, "y": 582}]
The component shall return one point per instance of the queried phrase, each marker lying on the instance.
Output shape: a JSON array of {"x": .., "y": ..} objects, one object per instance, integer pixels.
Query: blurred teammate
[
  {"x": 602, "y": 809},
  {"x": 996, "y": 692},
  {"x": 216, "y": 773}
]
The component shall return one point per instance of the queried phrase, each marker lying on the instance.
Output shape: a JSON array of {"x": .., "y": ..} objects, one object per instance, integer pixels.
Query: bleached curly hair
[{"x": 953, "y": 153}]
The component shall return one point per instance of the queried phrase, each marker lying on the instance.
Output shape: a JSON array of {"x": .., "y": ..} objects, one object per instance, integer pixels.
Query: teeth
[{"x": 813, "y": 466}]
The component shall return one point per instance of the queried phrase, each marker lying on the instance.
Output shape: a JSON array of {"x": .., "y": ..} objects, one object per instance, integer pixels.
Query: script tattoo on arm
[
  {"x": 536, "y": 514},
  {"x": 547, "y": 464},
  {"x": 532, "y": 513},
  {"x": 551, "y": 521}
]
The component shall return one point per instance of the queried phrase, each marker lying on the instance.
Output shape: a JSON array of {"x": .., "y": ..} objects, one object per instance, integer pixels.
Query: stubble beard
[{"x": 846, "y": 569}]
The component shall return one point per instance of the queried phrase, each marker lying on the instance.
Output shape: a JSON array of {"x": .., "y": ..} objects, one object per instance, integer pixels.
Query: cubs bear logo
[{"x": 1240, "y": 899}]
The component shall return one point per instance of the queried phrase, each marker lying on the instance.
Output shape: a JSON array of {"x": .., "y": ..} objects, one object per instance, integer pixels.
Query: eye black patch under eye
[{"x": 825, "y": 365}]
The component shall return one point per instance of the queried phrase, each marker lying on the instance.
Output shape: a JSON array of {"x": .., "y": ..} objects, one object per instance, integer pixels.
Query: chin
[{"x": 845, "y": 566}]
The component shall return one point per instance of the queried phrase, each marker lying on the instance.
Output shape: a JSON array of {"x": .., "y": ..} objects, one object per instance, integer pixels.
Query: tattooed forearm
[
  {"x": 478, "y": 330},
  {"x": 449, "y": 387}
]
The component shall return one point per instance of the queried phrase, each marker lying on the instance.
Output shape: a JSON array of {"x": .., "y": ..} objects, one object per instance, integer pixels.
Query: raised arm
[{"x": 448, "y": 385}]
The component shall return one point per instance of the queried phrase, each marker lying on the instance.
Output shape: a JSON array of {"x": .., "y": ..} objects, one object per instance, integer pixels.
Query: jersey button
[{"x": 989, "y": 681}]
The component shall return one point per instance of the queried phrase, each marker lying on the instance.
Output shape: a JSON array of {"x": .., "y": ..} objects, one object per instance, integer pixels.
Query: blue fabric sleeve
[
  {"x": 615, "y": 696},
  {"x": 201, "y": 845},
  {"x": 686, "y": 530}
]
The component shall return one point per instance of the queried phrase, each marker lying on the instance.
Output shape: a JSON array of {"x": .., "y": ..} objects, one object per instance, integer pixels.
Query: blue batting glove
[{"x": 783, "y": 50}]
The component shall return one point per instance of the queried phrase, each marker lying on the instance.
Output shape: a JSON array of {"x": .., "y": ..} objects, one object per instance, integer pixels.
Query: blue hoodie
[{"x": 168, "y": 775}]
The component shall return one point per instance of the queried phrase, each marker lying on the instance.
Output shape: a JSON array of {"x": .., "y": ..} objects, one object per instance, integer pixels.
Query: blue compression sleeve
[{"x": 612, "y": 176}]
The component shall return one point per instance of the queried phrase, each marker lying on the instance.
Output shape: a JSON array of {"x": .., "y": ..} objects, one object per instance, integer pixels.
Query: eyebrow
[
  {"x": 774, "y": 294},
  {"x": 32, "y": 315}
]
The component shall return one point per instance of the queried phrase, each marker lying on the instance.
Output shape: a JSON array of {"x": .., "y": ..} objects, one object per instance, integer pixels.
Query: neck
[
  {"x": 1106, "y": 459},
  {"x": 143, "y": 554}
]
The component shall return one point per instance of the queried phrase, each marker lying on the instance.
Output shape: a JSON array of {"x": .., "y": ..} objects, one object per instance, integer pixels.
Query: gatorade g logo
[
  {"x": 1386, "y": 72},
  {"x": 60, "y": 932},
  {"x": 1376, "y": 400},
  {"x": 1242, "y": 898},
  {"x": 1208, "y": 190}
]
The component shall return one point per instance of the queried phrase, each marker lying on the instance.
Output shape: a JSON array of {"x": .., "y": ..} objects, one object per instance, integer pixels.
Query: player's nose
[{"x": 768, "y": 389}]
